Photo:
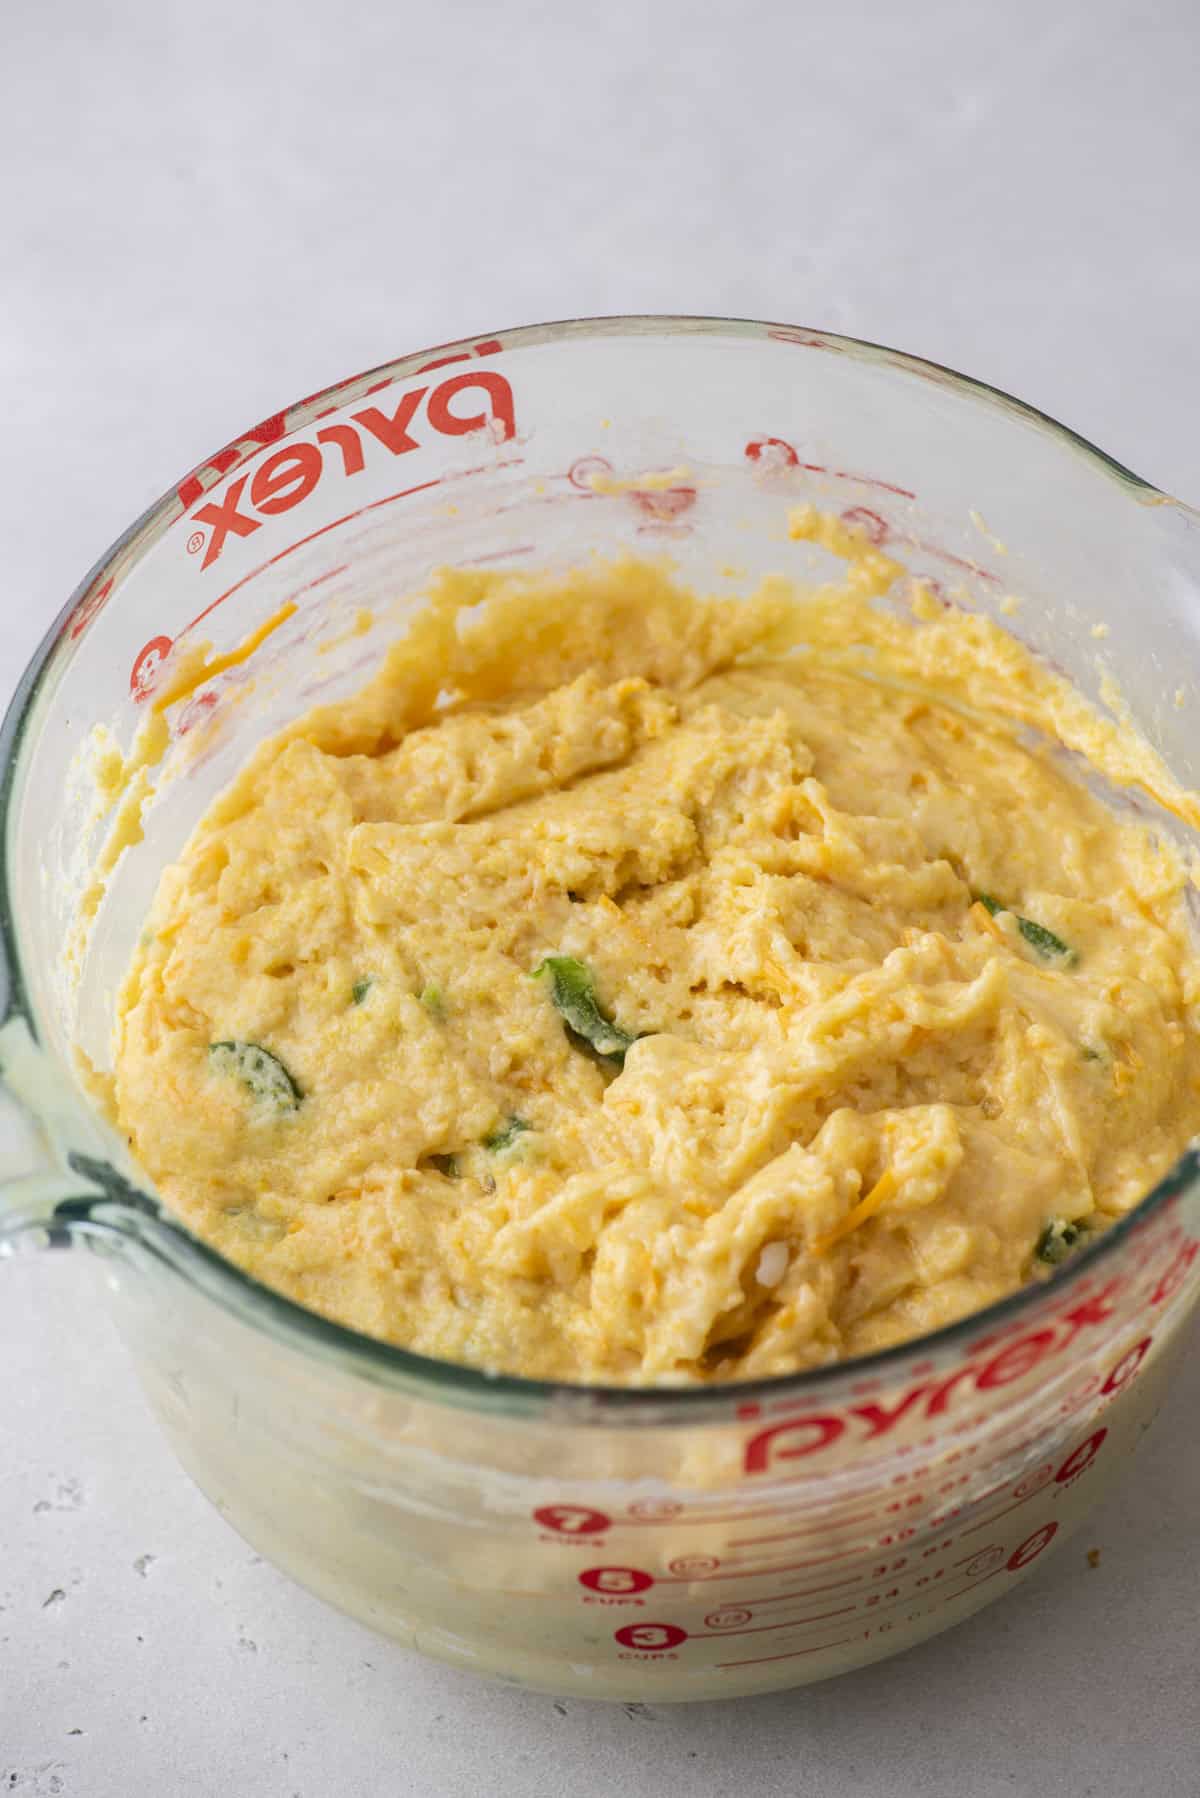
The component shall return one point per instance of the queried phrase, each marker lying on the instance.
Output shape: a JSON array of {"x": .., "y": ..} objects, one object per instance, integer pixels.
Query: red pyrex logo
[
  {"x": 795, "y": 1438},
  {"x": 475, "y": 400}
]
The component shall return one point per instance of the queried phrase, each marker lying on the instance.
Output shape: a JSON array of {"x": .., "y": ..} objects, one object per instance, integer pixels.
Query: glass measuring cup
[{"x": 612, "y": 1543}]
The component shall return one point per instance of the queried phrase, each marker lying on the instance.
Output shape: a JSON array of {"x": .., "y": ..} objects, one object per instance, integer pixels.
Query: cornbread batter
[{"x": 626, "y": 987}]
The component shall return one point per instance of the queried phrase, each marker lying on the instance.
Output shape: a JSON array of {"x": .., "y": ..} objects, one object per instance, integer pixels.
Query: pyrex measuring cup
[{"x": 671, "y": 1544}]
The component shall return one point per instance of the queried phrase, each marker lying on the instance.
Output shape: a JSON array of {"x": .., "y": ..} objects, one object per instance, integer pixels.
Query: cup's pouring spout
[{"x": 58, "y": 1179}]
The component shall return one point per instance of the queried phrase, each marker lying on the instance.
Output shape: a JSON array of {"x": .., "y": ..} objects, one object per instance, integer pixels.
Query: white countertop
[{"x": 210, "y": 210}]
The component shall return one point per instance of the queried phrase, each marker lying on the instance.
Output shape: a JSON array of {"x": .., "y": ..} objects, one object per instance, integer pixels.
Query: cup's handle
[{"x": 58, "y": 1181}]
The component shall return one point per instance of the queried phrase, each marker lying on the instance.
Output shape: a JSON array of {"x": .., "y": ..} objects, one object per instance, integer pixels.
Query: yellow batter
[{"x": 627, "y": 987}]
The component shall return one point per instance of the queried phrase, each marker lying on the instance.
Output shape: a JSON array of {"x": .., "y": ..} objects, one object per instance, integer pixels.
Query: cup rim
[{"x": 386, "y": 1363}]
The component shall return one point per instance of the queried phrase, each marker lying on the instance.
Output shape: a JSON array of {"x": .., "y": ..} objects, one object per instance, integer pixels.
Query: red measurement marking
[
  {"x": 497, "y": 555},
  {"x": 868, "y": 524},
  {"x": 944, "y": 555},
  {"x": 544, "y": 499},
  {"x": 580, "y": 473},
  {"x": 929, "y": 583},
  {"x": 790, "y": 1512},
  {"x": 95, "y": 602},
  {"x": 572, "y": 1520},
  {"x": 995, "y": 1516},
  {"x": 488, "y": 347},
  {"x": 794, "y": 1513},
  {"x": 948, "y": 1598},
  {"x": 387, "y": 500},
  {"x": 1031, "y": 1548},
  {"x": 751, "y": 1572},
  {"x": 144, "y": 673},
  {"x": 1012, "y": 1449},
  {"x": 1127, "y": 1366},
  {"x": 886, "y": 1579},
  {"x": 1080, "y": 1458},
  {"x": 1076, "y": 1462},
  {"x": 807, "y": 1592},
  {"x": 1074, "y": 1401},
  {"x": 988, "y": 1563},
  {"x": 870, "y": 480},
  {"x": 1034, "y": 1482},
  {"x": 194, "y": 713},
  {"x": 710, "y": 1516},
  {"x": 742, "y": 1574},
  {"x": 319, "y": 580},
  {"x": 756, "y": 1629},
  {"x": 981, "y": 1560},
  {"x": 1004, "y": 1459},
  {"x": 980, "y": 1580},
  {"x": 778, "y": 453},
  {"x": 891, "y": 1566},
  {"x": 663, "y": 502},
  {"x": 1176, "y": 1273},
  {"x": 260, "y": 435},
  {"x": 616, "y": 1580},
  {"x": 785, "y": 1535},
  {"x": 688, "y": 1579},
  {"x": 760, "y": 1660},
  {"x": 943, "y": 1598},
  {"x": 691, "y": 1567},
  {"x": 650, "y": 1637},
  {"x": 883, "y": 1576}
]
